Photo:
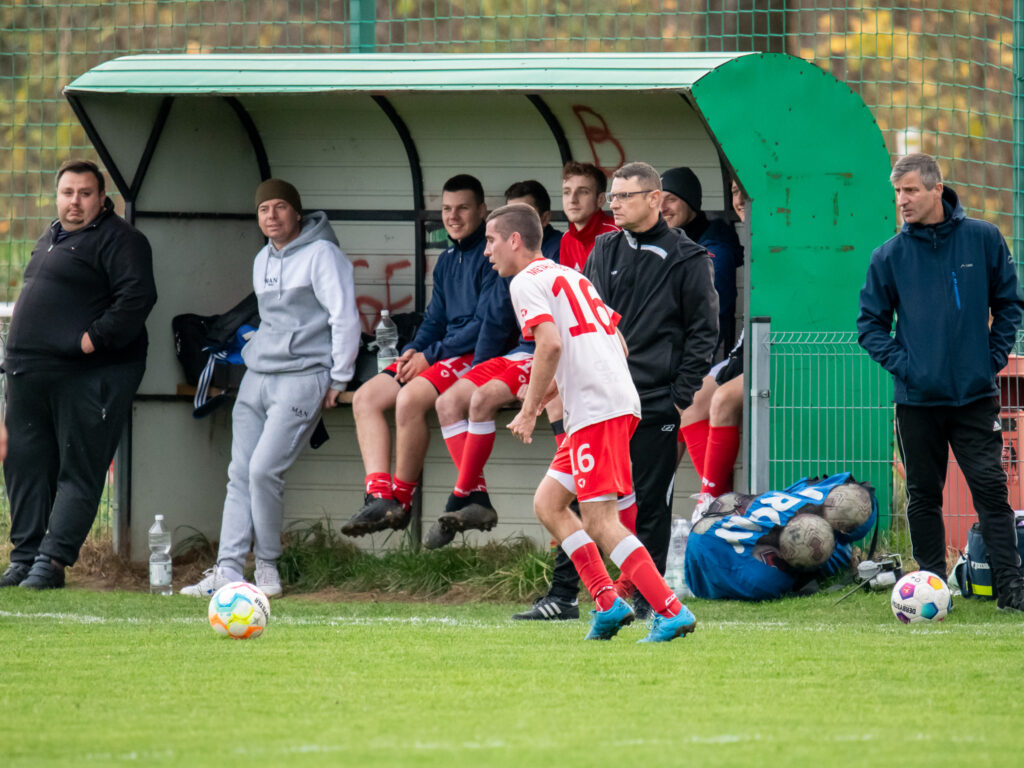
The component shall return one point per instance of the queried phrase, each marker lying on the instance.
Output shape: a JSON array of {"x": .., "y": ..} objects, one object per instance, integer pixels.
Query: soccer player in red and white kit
[{"x": 579, "y": 350}]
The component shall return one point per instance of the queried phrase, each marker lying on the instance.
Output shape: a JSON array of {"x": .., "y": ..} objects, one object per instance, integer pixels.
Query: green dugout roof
[{"x": 301, "y": 73}]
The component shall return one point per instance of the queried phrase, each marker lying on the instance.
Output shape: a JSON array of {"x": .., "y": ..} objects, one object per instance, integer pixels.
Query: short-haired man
[
  {"x": 532, "y": 193},
  {"x": 579, "y": 348},
  {"x": 467, "y": 409},
  {"x": 583, "y": 188},
  {"x": 661, "y": 284},
  {"x": 942, "y": 276},
  {"x": 300, "y": 359},
  {"x": 682, "y": 197},
  {"x": 76, "y": 353},
  {"x": 452, "y": 335}
]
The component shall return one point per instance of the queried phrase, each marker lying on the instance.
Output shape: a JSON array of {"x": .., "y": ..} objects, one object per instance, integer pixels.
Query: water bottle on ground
[
  {"x": 159, "y": 558},
  {"x": 675, "y": 563},
  {"x": 386, "y": 334}
]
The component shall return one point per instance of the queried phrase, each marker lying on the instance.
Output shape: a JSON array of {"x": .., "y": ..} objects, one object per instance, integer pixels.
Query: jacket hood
[
  {"x": 315, "y": 226},
  {"x": 954, "y": 214}
]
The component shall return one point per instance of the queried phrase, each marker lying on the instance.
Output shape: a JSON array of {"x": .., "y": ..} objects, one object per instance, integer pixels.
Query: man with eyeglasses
[{"x": 662, "y": 284}]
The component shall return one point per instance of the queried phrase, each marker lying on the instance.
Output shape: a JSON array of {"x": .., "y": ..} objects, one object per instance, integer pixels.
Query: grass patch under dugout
[{"x": 112, "y": 678}]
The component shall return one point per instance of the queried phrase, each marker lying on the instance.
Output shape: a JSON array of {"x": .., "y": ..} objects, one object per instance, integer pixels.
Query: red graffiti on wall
[
  {"x": 599, "y": 137},
  {"x": 370, "y": 306}
]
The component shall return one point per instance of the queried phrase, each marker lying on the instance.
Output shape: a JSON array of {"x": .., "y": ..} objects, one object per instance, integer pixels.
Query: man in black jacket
[
  {"x": 76, "y": 352},
  {"x": 662, "y": 285},
  {"x": 943, "y": 276}
]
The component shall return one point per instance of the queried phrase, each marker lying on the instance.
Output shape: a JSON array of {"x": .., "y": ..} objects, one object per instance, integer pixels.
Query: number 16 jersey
[{"x": 592, "y": 375}]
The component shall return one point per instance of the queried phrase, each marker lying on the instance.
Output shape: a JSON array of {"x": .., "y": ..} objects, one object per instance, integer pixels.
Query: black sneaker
[
  {"x": 550, "y": 608},
  {"x": 1012, "y": 598},
  {"x": 438, "y": 536},
  {"x": 471, "y": 513},
  {"x": 44, "y": 575},
  {"x": 376, "y": 515},
  {"x": 14, "y": 575}
]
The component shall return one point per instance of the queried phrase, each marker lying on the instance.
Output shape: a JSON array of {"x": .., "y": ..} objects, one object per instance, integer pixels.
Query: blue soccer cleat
[
  {"x": 605, "y": 624},
  {"x": 664, "y": 628}
]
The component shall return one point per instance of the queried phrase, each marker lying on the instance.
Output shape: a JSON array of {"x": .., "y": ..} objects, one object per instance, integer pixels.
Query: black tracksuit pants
[
  {"x": 925, "y": 434},
  {"x": 63, "y": 428},
  {"x": 652, "y": 451}
]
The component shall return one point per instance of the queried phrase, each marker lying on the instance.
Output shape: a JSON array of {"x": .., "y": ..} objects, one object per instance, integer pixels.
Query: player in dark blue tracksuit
[{"x": 942, "y": 275}]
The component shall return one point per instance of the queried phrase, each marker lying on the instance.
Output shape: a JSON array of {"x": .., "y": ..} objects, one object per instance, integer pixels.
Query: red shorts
[
  {"x": 515, "y": 374},
  {"x": 595, "y": 459},
  {"x": 443, "y": 373}
]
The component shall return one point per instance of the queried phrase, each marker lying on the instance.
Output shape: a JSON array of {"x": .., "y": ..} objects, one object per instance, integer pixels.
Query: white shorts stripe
[
  {"x": 564, "y": 479},
  {"x": 625, "y": 502}
]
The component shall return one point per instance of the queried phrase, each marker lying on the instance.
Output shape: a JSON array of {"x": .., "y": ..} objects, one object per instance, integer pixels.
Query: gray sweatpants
[{"x": 272, "y": 420}]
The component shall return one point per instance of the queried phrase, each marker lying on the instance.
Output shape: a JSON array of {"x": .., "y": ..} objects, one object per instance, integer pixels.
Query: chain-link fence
[{"x": 939, "y": 77}]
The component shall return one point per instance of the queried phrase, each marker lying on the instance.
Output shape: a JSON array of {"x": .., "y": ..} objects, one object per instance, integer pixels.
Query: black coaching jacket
[
  {"x": 97, "y": 279},
  {"x": 662, "y": 284}
]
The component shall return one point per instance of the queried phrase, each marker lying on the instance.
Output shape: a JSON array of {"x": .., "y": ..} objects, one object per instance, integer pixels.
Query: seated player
[
  {"x": 479, "y": 395},
  {"x": 710, "y": 428},
  {"x": 583, "y": 188},
  {"x": 439, "y": 355},
  {"x": 578, "y": 346}
]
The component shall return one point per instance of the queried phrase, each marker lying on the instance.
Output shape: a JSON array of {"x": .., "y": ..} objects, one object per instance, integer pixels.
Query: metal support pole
[
  {"x": 1018, "y": 134},
  {"x": 759, "y": 365},
  {"x": 363, "y": 26}
]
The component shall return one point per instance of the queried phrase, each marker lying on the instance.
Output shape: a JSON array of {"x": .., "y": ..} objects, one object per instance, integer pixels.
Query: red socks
[
  {"x": 627, "y": 512},
  {"x": 455, "y": 439},
  {"x": 585, "y": 555},
  {"x": 403, "y": 492},
  {"x": 477, "y": 450},
  {"x": 378, "y": 484},
  {"x": 723, "y": 447},
  {"x": 696, "y": 437},
  {"x": 636, "y": 565}
]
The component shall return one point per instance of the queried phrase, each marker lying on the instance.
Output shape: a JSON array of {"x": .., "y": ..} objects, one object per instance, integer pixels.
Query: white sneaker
[
  {"x": 213, "y": 579},
  {"x": 268, "y": 580}
]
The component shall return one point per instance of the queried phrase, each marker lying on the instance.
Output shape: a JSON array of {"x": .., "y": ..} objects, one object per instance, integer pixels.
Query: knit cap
[
  {"x": 684, "y": 184},
  {"x": 278, "y": 189}
]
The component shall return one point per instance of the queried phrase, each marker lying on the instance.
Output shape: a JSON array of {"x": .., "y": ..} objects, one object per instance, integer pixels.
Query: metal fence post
[
  {"x": 759, "y": 413},
  {"x": 362, "y": 26}
]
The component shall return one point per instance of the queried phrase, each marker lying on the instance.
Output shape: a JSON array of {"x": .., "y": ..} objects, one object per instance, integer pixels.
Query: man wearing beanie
[
  {"x": 681, "y": 208},
  {"x": 299, "y": 360}
]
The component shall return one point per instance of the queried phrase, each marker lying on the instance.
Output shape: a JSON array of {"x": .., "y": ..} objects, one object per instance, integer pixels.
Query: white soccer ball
[
  {"x": 807, "y": 541},
  {"x": 921, "y": 597},
  {"x": 847, "y": 506},
  {"x": 239, "y": 610}
]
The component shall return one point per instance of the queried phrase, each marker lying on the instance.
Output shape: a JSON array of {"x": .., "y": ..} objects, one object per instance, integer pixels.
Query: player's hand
[
  {"x": 87, "y": 345},
  {"x": 413, "y": 366},
  {"x": 523, "y": 424},
  {"x": 331, "y": 398}
]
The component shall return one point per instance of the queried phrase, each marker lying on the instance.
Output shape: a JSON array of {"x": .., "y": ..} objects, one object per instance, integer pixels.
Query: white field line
[
  {"x": 984, "y": 629},
  {"x": 406, "y": 747}
]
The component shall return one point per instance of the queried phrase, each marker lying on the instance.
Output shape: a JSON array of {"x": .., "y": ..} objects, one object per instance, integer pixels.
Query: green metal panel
[
  {"x": 285, "y": 73},
  {"x": 811, "y": 157}
]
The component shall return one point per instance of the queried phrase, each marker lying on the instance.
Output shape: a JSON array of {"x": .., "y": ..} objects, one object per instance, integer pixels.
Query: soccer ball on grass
[
  {"x": 921, "y": 597},
  {"x": 239, "y": 610}
]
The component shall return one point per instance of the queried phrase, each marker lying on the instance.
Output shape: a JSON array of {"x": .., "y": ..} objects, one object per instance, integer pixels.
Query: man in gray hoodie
[{"x": 300, "y": 360}]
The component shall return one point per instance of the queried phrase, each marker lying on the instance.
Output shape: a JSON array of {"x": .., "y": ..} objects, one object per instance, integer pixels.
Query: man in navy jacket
[{"x": 942, "y": 275}]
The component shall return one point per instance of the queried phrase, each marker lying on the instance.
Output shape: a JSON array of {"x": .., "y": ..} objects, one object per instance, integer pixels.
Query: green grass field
[{"x": 90, "y": 678}]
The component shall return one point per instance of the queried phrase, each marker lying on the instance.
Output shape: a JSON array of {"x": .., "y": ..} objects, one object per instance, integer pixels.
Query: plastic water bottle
[
  {"x": 675, "y": 563},
  {"x": 386, "y": 333},
  {"x": 159, "y": 558}
]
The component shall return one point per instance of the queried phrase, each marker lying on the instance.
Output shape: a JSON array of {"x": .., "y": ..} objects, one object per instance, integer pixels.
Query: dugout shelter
[{"x": 371, "y": 139}]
